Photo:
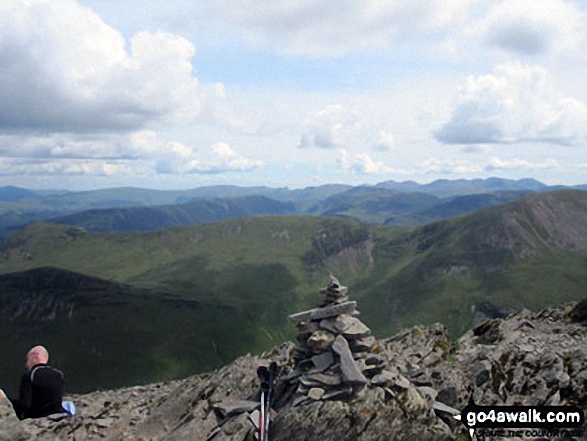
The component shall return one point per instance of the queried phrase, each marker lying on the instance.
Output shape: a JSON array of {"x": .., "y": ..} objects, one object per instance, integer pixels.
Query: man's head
[{"x": 37, "y": 355}]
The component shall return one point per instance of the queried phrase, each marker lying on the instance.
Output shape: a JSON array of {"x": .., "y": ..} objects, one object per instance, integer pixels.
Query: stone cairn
[{"x": 336, "y": 352}]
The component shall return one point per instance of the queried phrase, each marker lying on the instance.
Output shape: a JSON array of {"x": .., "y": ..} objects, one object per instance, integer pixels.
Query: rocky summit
[{"x": 339, "y": 383}]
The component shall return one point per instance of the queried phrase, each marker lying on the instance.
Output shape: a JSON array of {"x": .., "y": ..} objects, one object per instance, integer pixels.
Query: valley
[{"x": 123, "y": 308}]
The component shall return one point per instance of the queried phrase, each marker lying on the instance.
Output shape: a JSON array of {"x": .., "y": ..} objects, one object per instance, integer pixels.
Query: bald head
[{"x": 37, "y": 355}]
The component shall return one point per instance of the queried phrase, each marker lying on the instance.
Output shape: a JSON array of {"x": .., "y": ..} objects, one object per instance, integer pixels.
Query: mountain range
[
  {"x": 135, "y": 209},
  {"x": 120, "y": 308}
]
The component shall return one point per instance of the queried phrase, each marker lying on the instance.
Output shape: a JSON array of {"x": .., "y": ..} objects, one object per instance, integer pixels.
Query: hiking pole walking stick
[{"x": 267, "y": 376}]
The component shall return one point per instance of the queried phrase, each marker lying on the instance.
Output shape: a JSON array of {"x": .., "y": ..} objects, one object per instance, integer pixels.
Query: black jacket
[{"x": 41, "y": 393}]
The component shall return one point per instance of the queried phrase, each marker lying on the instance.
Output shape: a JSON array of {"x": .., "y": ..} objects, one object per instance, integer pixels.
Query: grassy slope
[
  {"x": 194, "y": 212},
  {"x": 529, "y": 253},
  {"x": 105, "y": 334}
]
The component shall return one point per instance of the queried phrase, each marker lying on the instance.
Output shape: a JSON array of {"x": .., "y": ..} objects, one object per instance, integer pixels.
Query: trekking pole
[
  {"x": 272, "y": 369},
  {"x": 263, "y": 375},
  {"x": 267, "y": 377}
]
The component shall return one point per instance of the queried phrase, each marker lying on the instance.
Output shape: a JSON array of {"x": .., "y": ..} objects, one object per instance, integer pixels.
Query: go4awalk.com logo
[{"x": 522, "y": 421}]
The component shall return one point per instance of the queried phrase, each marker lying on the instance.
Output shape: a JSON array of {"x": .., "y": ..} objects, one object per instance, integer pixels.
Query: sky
[{"x": 183, "y": 94}]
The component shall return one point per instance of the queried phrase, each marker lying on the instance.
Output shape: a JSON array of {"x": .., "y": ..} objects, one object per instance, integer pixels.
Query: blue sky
[{"x": 103, "y": 93}]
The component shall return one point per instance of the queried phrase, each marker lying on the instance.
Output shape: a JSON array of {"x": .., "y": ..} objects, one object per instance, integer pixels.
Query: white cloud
[
  {"x": 363, "y": 164},
  {"x": 225, "y": 159},
  {"x": 64, "y": 167},
  {"x": 329, "y": 128},
  {"x": 452, "y": 166},
  {"x": 140, "y": 154},
  {"x": 331, "y": 28},
  {"x": 527, "y": 27},
  {"x": 63, "y": 69},
  {"x": 519, "y": 164},
  {"x": 438, "y": 166},
  {"x": 386, "y": 141},
  {"x": 516, "y": 103},
  {"x": 337, "y": 126}
]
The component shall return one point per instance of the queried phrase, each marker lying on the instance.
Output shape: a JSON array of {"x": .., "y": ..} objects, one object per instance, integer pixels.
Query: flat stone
[
  {"x": 316, "y": 393},
  {"x": 305, "y": 329},
  {"x": 351, "y": 373},
  {"x": 385, "y": 378},
  {"x": 320, "y": 341},
  {"x": 229, "y": 408},
  {"x": 346, "y": 324},
  {"x": 441, "y": 407},
  {"x": 323, "y": 361},
  {"x": 429, "y": 393},
  {"x": 356, "y": 329},
  {"x": 328, "y": 380},
  {"x": 328, "y": 311},
  {"x": 338, "y": 394},
  {"x": 363, "y": 344},
  {"x": 254, "y": 418},
  {"x": 401, "y": 382},
  {"x": 299, "y": 400}
]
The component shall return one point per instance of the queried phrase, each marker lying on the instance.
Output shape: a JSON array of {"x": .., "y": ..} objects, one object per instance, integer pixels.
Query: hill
[
  {"x": 195, "y": 212},
  {"x": 363, "y": 204},
  {"x": 451, "y": 207},
  {"x": 400, "y": 203},
  {"x": 372, "y": 205},
  {"x": 107, "y": 334},
  {"x": 527, "y": 253},
  {"x": 530, "y": 358},
  {"x": 461, "y": 187}
]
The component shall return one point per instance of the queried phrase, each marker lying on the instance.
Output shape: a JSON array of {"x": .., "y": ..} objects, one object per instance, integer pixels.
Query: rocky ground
[{"x": 529, "y": 358}]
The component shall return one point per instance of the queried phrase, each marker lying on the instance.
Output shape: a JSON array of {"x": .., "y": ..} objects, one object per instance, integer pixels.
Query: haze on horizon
[{"x": 104, "y": 93}]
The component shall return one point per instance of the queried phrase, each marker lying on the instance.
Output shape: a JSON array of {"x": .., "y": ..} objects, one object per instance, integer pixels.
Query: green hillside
[
  {"x": 531, "y": 252},
  {"x": 105, "y": 334},
  {"x": 194, "y": 212}
]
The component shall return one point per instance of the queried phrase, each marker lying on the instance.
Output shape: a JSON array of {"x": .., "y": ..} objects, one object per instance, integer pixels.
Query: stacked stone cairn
[{"x": 336, "y": 352}]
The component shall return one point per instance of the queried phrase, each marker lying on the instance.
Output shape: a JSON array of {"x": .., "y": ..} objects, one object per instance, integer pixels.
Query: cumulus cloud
[
  {"x": 66, "y": 167},
  {"x": 329, "y": 128},
  {"x": 331, "y": 28},
  {"x": 516, "y": 103},
  {"x": 386, "y": 141},
  {"x": 527, "y": 27},
  {"x": 225, "y": 159},
  {"x": 141, "y": 153},
  {"x": 363, "y": 164},
  {"x": 63, "y": 69},
  {"x": 336, "y": 127},
  {"x": 519, "y": 164},
  {"x": 449, "y": 167}
]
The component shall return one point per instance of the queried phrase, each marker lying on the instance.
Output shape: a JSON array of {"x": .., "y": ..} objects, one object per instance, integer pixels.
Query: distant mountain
[
  {"x": 530, "y": 252},
  {"x": 194, "y": 212},
  {"x": 460, "y": 187},
  {"x": 363, "y": 204},
  {"x": 399, "y": 203},
  {"x": 373, "y": 205},
  {"x": 20, "y": 206},
  {"x": 14, "y": 194},
  {"x": 456, "y": 206}
]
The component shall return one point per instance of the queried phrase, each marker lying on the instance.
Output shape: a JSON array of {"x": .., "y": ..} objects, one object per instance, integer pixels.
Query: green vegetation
[{"x": 168, "y": 303}]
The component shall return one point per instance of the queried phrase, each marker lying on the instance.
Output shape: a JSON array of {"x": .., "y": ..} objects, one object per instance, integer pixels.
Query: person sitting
[{"x": 41, "y": 387}]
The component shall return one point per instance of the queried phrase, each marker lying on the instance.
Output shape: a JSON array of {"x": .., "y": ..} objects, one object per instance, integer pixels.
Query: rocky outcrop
[{"x": 529, "y": 358}]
